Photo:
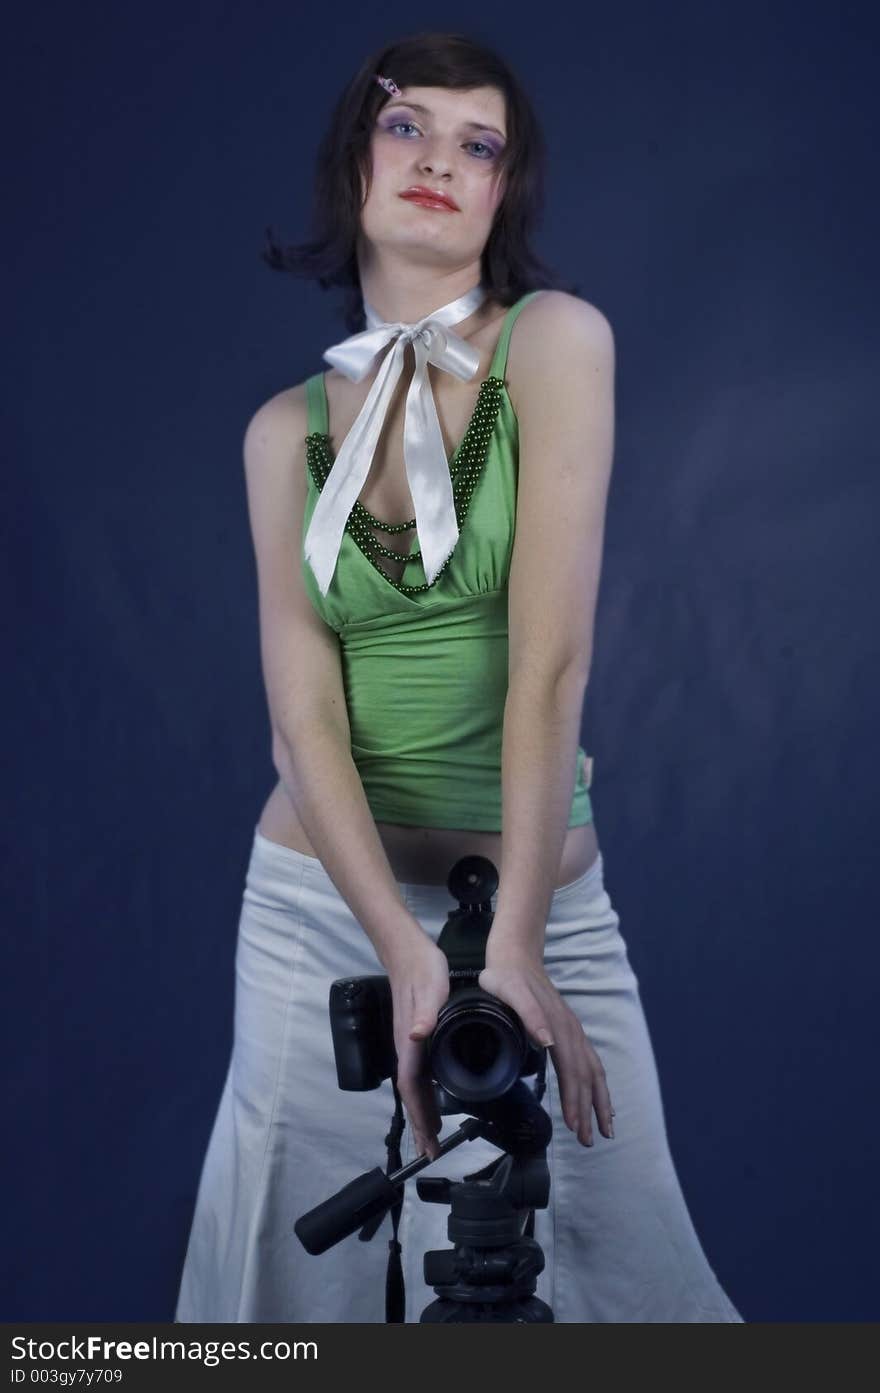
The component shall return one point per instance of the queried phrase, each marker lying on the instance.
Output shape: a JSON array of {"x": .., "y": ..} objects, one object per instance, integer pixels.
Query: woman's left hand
[{"x": 518, "y": 978}]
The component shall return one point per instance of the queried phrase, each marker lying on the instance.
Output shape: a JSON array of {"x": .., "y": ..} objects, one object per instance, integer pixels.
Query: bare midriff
[{"x": 425, "y": 855}]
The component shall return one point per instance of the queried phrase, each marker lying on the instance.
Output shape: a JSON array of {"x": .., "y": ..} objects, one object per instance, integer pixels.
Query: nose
[
  {"x": 435, "y": 168},
  {"x": 433, "y": 162}
]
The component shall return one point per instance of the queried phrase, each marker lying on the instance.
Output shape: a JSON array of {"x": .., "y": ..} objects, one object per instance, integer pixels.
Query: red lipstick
[{"x": 431, "y": 198}]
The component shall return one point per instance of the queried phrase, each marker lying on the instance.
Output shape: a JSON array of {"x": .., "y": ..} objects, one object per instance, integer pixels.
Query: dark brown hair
[{"x": 510, "y": 266}]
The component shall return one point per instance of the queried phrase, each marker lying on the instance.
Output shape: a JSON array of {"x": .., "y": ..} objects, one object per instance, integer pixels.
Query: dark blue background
[{"x": 712, "y": 176}]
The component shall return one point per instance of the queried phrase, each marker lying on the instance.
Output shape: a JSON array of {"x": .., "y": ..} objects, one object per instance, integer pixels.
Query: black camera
[{"x": 479, "y": 1046}]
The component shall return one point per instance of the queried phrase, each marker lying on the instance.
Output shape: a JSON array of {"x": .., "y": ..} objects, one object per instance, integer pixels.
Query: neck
[{"x": 405, "y": 294}]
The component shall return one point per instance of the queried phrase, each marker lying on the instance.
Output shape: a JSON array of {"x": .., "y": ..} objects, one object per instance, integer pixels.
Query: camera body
[{"x": 479, "y": 1046}]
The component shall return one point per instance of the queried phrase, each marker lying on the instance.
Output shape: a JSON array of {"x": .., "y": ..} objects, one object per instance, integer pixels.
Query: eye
[{"x": 488, "y": 148}]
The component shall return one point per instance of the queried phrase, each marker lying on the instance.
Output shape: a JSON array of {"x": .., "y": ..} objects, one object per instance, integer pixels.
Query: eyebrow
[{"x": 474, "y": 125}]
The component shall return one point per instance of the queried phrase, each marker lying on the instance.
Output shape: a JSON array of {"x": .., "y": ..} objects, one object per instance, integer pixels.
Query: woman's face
[{"x": 444, "y": 140}]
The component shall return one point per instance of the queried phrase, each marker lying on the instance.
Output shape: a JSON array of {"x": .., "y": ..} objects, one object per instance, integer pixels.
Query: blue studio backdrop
[{"x": 711, "y": 191}]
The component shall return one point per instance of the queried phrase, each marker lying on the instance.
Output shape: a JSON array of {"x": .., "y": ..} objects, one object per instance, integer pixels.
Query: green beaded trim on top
[{"x": 471, "y": 456}]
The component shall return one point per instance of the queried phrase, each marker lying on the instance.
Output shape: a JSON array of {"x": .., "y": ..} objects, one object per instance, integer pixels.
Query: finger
[
  {"x": 419, "y": 1102},
  {"x": 585, "y": 1122},
  {"x": 602, "y": 1100},
  {"x": 428, "y": 1145},
  {"x": 426, "y": 1106},
  {"x": 416, "y": 1090},
  {"x": 424, "y": 1138},
  {"x": 564, "y": 1061},
  {"x": 575, "y": 1062},
  {"x": 430, "y": 1109}
]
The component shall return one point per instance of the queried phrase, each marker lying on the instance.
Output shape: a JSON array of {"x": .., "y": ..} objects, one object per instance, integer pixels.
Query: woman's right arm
[{"x": 311, "y": 744}]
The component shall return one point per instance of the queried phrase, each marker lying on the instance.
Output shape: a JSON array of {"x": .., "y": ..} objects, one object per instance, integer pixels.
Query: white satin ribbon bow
[{"x": 427, "y": 467}]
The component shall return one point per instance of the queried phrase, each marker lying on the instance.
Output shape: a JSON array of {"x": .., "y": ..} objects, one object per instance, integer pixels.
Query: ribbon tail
[
  {"x": 427, "y": 472},
  {"x": 348, "y": 474}
]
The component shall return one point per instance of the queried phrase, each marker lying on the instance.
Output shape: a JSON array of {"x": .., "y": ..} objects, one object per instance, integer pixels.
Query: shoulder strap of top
[
  {"x": 499, "y": 360},
  {"x": 316, "y": 405}
]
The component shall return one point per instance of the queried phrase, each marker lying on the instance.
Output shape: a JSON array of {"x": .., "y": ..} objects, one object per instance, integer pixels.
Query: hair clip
[{"x": 389, "y": 84}]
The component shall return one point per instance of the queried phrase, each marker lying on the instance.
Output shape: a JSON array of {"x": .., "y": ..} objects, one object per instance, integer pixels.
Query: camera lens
[{"x": 477, "y": 1050}]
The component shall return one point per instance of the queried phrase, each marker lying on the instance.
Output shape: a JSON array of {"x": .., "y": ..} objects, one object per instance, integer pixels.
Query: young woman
[{"x": 418, "y": 707}]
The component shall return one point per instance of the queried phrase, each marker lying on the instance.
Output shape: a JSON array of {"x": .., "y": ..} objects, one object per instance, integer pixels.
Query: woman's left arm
[{"x": 565, "y": 410}]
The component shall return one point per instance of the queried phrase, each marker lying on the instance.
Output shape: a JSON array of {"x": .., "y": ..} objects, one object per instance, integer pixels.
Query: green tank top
[{"x": 425, "y": 667}]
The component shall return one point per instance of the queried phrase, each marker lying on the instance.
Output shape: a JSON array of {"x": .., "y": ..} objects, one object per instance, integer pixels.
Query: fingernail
[
  {"x": 545, "y": 1037},
  {"x": 611, "y": 1129}
]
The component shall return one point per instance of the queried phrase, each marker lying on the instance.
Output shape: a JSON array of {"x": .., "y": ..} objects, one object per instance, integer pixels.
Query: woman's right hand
[{"x": 419, "y": 975}]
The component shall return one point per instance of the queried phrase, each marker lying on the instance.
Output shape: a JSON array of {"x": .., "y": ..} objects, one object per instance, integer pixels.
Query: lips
[{"x": 431, "y": 198}]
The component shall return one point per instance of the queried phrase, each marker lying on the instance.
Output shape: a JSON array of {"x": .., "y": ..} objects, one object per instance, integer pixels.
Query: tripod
[{"x": 490, "y": 1274}]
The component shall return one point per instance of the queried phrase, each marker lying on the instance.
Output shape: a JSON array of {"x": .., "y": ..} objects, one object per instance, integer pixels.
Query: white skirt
[{"x": 617, "y": 1238}]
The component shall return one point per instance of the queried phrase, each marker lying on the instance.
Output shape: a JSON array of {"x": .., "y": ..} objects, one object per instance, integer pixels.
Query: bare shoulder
[
  {"x": 556, "y": 333},
  {"x": 274, "y": 449},
  {"x": 557, "y": 310},
  {"x": 277, "y": 426}
]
